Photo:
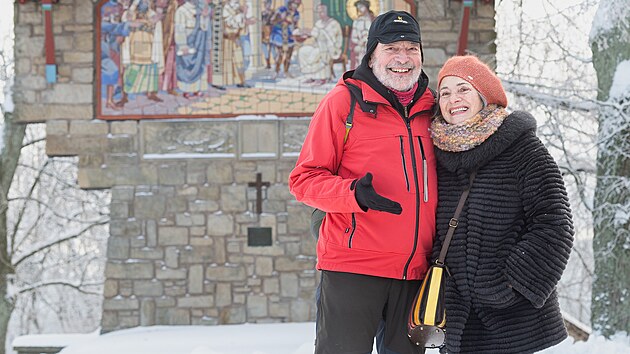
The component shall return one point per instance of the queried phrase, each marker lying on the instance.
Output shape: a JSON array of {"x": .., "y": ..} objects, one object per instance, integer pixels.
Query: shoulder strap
[
  {"x": 356, "y": 96},
  {"x": 452, "y": 224},
  {"x": 353, "y": 102}
]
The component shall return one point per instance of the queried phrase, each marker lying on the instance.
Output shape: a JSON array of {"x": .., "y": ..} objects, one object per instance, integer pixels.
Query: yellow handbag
[{"x": 427, "y": 317}]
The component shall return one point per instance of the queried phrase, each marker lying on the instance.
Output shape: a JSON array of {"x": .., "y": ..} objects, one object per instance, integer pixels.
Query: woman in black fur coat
[{"x": 515, "y": 232}]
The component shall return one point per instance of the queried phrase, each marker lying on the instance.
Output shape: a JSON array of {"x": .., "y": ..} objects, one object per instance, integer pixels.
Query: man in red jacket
[{"x": 377, "y": 184}]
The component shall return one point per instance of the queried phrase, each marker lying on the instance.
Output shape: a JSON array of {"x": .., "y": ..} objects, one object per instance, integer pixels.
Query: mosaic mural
[{"x": 222, "y": 58}]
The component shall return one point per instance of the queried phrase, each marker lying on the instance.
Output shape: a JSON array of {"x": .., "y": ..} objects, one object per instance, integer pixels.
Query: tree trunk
[
  {"x": 13, "y": 137},
  {"x": 610, "y": 309}
]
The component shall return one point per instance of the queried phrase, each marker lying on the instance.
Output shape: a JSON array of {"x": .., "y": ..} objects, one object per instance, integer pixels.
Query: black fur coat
[{"x": 511, "y": 246}]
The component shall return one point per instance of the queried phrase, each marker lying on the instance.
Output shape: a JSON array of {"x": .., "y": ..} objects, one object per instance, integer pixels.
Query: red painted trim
[
  {"x": 462, "y": 42},
  {"x": 49, "y": 38}
]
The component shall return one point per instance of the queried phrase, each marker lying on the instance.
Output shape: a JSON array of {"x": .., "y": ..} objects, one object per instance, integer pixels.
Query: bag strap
[
  {"x": 452, "y": 224},
  {"x": 353, "y": 102}
]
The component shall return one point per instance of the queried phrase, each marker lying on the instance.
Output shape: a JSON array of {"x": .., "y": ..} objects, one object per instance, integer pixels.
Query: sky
[{"x": 275, "y": 338}]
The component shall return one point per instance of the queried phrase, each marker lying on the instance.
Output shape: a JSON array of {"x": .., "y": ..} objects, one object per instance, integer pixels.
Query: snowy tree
[
  {"x": 11, "y": 136},
  {"x": 545, "y": 62},
  {"x": 610, "y": 43},
  {"x": 52, "y": 234}
]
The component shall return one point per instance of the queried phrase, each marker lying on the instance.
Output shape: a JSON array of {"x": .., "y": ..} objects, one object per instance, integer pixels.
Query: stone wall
[{"x": 182, "y": 207}]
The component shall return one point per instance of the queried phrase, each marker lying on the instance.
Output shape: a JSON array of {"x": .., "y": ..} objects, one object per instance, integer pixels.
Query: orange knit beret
[{"x": 478, "y": 74}]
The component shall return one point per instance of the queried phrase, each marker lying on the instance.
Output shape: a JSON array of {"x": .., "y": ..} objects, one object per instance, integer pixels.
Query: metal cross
[{"x": 258, "y": 184}]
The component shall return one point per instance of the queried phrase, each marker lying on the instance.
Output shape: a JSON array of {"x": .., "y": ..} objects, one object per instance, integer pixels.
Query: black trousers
[{"x": 352, "y": 308}]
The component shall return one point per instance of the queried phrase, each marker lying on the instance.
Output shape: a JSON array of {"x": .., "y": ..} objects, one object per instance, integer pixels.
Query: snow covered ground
[{"x": 277, "y": 338}]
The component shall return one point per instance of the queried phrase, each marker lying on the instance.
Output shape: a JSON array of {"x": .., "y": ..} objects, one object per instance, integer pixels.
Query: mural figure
[
  {"x": 192, "y": 20},
  {"x": 359, "y": 33},
  {"x": 112, "y": 30},
  {"x": 265, "y": 16},
  {"x": 145, "y": 53},
  {"x": 235, "y": 22},
  {"x": 284, "y": 22},
  {"x": 314, "y": 59},
  {"x": 168, "y": 78},
  {"x": 175, "y": 58}
]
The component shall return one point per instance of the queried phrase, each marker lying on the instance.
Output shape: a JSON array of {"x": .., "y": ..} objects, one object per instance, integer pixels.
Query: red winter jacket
[{"x": 399, "y": 155}]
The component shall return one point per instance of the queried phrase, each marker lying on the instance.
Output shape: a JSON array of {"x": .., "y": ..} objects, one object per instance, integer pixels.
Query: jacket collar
[{"x": 374, "y": 91}]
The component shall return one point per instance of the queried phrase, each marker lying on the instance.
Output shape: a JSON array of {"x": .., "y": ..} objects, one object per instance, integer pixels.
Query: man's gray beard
[{"x": 381, "y": 74}]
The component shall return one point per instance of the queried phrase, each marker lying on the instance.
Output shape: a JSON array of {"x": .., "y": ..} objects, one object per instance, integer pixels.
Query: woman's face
[{"x": 458, "y": 99}]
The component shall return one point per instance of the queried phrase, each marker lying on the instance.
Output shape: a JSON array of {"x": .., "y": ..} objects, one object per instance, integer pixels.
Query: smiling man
[{"x": 377, "y": 184}]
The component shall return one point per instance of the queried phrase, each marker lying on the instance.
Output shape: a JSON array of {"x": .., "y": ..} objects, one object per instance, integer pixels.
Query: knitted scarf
[{"x": 469, "y": 134}]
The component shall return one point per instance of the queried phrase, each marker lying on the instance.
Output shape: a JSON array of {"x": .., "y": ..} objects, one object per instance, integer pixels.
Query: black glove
[{"x": 367, "y": 198}]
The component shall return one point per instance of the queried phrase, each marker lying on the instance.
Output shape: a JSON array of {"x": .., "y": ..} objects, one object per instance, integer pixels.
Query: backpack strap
[
  {"x": 356, "y": 96},
  {"x": 353, "y": 102}
]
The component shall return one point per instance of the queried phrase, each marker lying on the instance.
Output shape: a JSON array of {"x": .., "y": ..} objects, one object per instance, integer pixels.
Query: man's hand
[{"x": 367, "y": 198}]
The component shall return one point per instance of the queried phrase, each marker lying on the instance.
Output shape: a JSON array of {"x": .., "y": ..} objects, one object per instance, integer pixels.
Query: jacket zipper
[
  {"x": 415, "y": 179},
  {"x": 425, "y": 173},
  {"x": 354, "y": 227},
  {"x": 404, "y": 163}
]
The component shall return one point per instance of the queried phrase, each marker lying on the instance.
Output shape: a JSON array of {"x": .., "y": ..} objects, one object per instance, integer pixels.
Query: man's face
[{"x": 397, "y": 65}]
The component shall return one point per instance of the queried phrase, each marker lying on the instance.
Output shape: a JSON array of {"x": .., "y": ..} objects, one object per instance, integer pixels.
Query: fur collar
[{"x": 514, "y": 126}]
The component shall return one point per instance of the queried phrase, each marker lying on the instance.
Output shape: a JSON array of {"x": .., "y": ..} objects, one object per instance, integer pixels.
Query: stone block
[
  {"x": 195, "y": 279},
  {"x": 271, "y": 286},
  {"x": 176, "y": 205},
  {"x": 172, "y": 236},
  {"x": 149, "y": 206},
  {"x": 151, "y": 233},
  {"x": 204, "y": 301},
  {"x": 82, "y": 75},
  {"x": 122, "y": 145},
  {"x": 172, "y": 316},
  {"x": 223, "y": 294},
  {"x": 192, "y": 255},
  {"x": 118, "y": 248},
  {"x": 233, "y": 315},
  {"x": 150, "y": 288},
  {"x": 199, "y": 205},
  {"x": 118, "y": 304},
  {"x": 226, "y": 273},
  {"x": 302, "y": 311},
  {"x": 187, "y": 219},
  {"x": 257, "y": 305},
  {"x": 289, "y": 285},
  {"x": 34, "y": 113},
  {"x": 279, "y": 310},
  {"x": 299, "y": 217},
  {"x": 279, "y": 192},
  {"x": 220, "y": 173},
  {"x": 122, "y": 193},
  {"x": 125, "y": 228},
  {"x": 29, "y": 48},
  {"x": 233, "y": 198},
  {"x": 220, "y": 224},
  {"x": 110, "y": 288},
  {"x": 147, "y": 312},
  {"x": 147, "y": 253},
  {"x": 68, "y": 94},
  {"x": 293, "y": 264},
  {"x": 91, "y": 127},
  {"x": 138, "y": 270},
  {"x": 83, "y": 12},
  {"x": 128, "y": 127},
  {"x": 56, "y": 127},
  {"x": 31, "y": 82},
  {"x": 171, "y": 174},
  {"x": 171, "y": 274},
  {"x": 171, "y": 257},
  {"x": 264, "y": 266},
  {"x": 259, "y": 140}
]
